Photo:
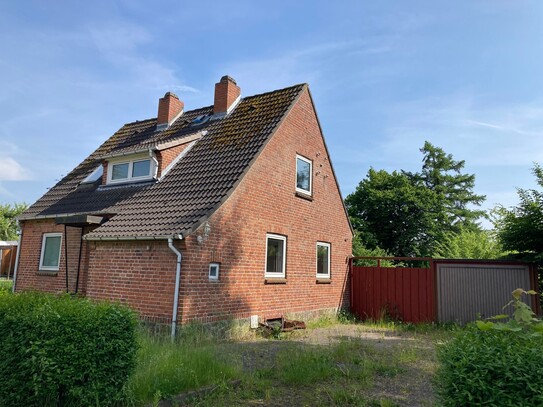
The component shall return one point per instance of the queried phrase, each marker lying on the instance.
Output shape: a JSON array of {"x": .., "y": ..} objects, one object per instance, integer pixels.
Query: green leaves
[
  {"x": 495, "y": 363},
  {"x": 8, "y": 221},
  {"x": 392, "y": 213},
  {"x": 520, "y": 228},
  {"x": 64, "y": 350}
]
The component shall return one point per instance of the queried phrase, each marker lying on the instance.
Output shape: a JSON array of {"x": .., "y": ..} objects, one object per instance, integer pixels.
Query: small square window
[
  {"x": 214, "y": 271},
  {"x": 50, "y": 251},
  {"x": 323, "y": 260},
  {"x": 119, "y": 171},
  {"x": 141, "y": 168},
  {"x": 275, "y": 255},
  {"x": 303, "y": 174}
]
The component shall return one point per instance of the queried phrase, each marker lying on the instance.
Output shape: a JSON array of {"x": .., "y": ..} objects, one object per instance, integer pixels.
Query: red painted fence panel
[{"x": 402, "y": 293}]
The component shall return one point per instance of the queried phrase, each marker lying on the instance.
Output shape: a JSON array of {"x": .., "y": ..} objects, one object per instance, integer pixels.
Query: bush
[
  {"x": 494, "y": 364},
  {"x": 59, "y": 350},
  {"x": 5, "y": 287}
]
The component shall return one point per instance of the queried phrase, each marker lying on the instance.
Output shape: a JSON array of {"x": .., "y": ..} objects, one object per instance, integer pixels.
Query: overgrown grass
[
  {"x": 341, "y": 373},
  {"x": 166, "y": 368}
]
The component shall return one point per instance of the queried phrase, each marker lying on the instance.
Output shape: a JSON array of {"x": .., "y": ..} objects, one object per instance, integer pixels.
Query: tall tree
[
  {"x": 391, "y": 212},
  {"x": 442, "y": 174},
  {"x": 520, "y": 228},
  {"x": 8, "y": 221}
]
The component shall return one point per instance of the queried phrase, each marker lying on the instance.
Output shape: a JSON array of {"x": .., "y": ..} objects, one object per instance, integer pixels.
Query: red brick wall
[
  {"x": 29, "y": 277},
  {"x": 265, "y": 202},
  {"x": 166, "y": 156},
  {"x": 140, "y": 274}
]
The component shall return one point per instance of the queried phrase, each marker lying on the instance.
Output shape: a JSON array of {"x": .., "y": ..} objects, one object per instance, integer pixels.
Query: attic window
[
  {"x": 303, "y": 175},
  {"x": 94, "y": 176},
  {"x": 130, "y": 169}
]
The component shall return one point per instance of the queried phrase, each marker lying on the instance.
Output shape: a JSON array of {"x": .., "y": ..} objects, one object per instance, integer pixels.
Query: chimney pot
[
  {"x": 169, "y": 108},
  {"x": 226, "y": 93}
]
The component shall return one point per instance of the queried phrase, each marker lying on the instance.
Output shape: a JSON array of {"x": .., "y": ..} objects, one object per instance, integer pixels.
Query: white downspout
[
  {"x": 17, "y": 261},
  {"x": 152, "y": 157},
  {"x": 177, "y": 281}
]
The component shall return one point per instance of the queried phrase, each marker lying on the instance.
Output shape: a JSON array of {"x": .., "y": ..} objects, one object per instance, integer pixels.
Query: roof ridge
[{"x": 299, "y": 85}]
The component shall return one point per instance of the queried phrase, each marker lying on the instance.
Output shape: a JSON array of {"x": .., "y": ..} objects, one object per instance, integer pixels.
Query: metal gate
[
  {"x": 467, "y": 290},
  {"x": 445, "y": 291},
  {"x": 400, "y": 293}
]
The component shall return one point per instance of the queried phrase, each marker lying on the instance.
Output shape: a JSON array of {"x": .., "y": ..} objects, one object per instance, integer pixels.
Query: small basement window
[
  {"x": 303, "y": 175},
  {"x": 136, "y": 169},
  {"x": 50, "y": 251},
  {"x": 214, "y": 271},
  {"x": 276, "y": 246},
  {"x": 323, "y": 260}
]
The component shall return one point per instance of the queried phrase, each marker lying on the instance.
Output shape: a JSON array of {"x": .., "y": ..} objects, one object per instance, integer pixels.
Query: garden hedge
[{"x": 63, "y": 351}]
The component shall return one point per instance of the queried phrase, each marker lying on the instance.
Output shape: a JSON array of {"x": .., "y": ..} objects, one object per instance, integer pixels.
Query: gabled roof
[{"x": 190, "y": 192}]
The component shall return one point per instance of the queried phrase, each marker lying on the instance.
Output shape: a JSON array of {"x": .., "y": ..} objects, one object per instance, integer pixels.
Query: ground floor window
[
  {"x": 276, "y": 247},
  {"x": 323, "y": 260},
  {"x": 50, "y": 251}
]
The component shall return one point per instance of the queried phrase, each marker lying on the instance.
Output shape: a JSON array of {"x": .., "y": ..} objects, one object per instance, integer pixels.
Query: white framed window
[
  {"x": 304, "y": 169},
  {"x": 137, "y": 168},
  {"x": 276, "y": 255},
  {"x": 323, "y": 260},
  {"x": 50, "y": 251},
  {"x": 214, "y": 271}
]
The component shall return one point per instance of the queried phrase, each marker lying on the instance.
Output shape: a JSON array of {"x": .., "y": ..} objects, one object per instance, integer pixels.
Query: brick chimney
[
  {"x": 169, "y": 108},
  {"x": 226, "y": 93}
]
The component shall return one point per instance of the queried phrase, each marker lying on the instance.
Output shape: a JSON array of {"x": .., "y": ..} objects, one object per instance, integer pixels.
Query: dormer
[
  {"x": 143, "y": 165},
  {"x": 131, "y": 168}
]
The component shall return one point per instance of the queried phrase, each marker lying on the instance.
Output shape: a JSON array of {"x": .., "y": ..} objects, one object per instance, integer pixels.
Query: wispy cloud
[{"x": 11, "y": 170}]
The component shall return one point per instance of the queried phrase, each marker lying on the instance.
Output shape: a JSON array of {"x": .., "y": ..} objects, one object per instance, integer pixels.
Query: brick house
[{"x": 226, "y": 211}]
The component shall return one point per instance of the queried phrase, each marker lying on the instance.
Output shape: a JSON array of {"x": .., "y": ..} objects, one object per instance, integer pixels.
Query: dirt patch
[{"x": 406, "y": 363}]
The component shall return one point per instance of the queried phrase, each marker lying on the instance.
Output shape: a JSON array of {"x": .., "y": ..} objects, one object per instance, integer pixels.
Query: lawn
[{"x": 329, "y": 364}]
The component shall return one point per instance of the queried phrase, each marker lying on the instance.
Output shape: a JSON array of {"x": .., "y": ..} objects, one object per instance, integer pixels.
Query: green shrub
[
  {"x": 59, "y": 350},
  {"x": 494, "y": 368},
  {"x": 494, "y": 364},
  {"x": 5, "y": 287}
]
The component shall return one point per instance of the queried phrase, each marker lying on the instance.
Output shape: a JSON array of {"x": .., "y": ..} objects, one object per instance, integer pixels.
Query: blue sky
[{"x": 385, "y": 76}]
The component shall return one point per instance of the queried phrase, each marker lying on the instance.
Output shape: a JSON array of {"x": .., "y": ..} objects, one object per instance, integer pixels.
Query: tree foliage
[
  {"x": 443, "y": 174},
  {"x": 391, "y": 212},
  {"x": 520, "y": 228},
  {"x": 8, "y": 221},
  {"x": 407, "y": 213},
  {"x": 469, "y": 244}
]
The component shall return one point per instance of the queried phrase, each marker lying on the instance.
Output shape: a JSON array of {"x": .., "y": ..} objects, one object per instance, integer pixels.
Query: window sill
[
  {"x": 275, "y": 280},
  {"x": 324, "y": 281},
  {"x": 303, "y": 196},
  {"x": 51, "y": 273}
]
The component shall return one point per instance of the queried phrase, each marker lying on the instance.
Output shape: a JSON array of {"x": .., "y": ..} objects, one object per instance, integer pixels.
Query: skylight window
[
  {"x": 95, "y": 175},
  {"x": 200, "y": 119}
]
